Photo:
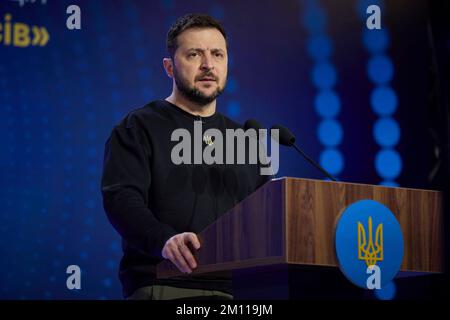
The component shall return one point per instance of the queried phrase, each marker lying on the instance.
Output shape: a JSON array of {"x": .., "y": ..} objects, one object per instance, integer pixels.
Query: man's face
[{"x": 201, "y": 64}]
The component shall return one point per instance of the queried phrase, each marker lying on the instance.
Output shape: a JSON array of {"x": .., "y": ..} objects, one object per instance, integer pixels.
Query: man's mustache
[{"x": 207, "y": 76}]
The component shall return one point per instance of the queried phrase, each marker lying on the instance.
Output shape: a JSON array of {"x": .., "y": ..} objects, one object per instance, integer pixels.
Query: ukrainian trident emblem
[
  {"x": 208, "y": 140},
  {"x": 369, "y": 250}
]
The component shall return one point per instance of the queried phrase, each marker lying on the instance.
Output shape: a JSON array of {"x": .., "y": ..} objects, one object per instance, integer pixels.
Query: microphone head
[
  {"x": 285, "y": 136},
  {"x": 255, "y": 125},
  {"x": 252, "y": 124}
]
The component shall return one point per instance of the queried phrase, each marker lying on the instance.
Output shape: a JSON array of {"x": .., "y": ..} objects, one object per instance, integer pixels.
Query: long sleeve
[{"x": 125, "y": 188}]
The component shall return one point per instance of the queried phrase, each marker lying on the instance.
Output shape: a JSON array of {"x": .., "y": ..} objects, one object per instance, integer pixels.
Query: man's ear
[{"x": 168, "y": 66}]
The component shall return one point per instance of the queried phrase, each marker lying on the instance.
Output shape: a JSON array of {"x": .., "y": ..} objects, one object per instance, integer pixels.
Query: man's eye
[
  {"x": 220, "y": 55},
  {"x": 193, "y": 54}
]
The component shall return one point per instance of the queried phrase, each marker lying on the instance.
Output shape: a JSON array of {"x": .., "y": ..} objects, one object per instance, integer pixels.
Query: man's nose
[{"x": 207, "y": 63}]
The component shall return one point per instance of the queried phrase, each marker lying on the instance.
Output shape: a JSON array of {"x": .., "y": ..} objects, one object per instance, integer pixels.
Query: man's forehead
[{"x": 205, "y": 38}]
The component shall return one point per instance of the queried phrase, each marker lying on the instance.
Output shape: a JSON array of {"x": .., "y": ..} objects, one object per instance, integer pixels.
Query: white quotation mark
[
  {"x": 74, "y": 280},
  {"x": 374, "y": 20},
  {"x": 74, "y": 20}
]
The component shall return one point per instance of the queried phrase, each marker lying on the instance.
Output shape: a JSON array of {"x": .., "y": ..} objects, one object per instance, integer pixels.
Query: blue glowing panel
[
  {"x": 324, "y": 75},
  {"x": 388, "y": 164},
  {"x": 327, "y": 104},
  {"x": 233, "y": 109},
  {"x": 313, "y": 19},
  {"x": 330, "y": 133},
  {"x": 380, "y": 69},
  {"x": 376, "y": 41},
  {"x": 383, "y": 101},
  {"x": 320, "y": 47},
  {"x": 332, "y": 160},
  {"x": 386, "y": 132}
]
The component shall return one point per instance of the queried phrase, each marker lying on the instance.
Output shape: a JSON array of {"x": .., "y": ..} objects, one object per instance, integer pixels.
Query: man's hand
[{"x": 177, "y": 251}]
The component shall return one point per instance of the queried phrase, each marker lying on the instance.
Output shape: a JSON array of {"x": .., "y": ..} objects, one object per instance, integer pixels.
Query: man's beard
[{"x": 193, "y": 94}]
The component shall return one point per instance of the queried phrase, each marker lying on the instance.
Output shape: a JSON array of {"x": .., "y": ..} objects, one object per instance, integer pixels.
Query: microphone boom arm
[{"x": 311, "y": 161}]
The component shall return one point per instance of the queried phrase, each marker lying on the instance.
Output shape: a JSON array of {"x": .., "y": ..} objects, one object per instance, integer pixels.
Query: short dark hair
[{"x": 187, "y": 22}]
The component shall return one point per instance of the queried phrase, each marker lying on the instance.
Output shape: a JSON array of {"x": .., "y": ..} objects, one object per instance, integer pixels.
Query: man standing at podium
[{"x": 158, "y": 207}]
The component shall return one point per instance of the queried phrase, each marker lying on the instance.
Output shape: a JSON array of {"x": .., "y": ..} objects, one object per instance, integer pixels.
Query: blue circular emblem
[{"x": 369, "y": 244}]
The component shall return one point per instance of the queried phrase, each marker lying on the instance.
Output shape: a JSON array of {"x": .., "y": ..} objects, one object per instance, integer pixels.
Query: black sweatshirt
[{"x": 148, "y": 199}]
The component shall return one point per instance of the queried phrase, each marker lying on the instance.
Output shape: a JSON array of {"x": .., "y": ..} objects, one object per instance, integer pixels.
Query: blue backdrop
[{"x": 355, "y": 98}]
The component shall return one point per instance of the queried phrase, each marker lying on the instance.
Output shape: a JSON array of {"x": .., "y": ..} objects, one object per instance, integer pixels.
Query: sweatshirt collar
[{"x": 190, "y": 115}]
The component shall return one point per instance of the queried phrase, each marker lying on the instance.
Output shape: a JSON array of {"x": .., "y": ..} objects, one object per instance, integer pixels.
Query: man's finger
[
  {"x": 192, "y": 238},
  {"x": 187, "y": 254},
  {"x": 180, "y": 262}
]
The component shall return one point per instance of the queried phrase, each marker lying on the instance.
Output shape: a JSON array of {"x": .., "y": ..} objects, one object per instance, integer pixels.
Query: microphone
[
  {"x": 286, "y": 138},
  {"x": 253, "y": 124}
]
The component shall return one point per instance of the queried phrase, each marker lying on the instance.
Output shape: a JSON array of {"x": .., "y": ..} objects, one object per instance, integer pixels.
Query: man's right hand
[{"x": 176, "y": 250}]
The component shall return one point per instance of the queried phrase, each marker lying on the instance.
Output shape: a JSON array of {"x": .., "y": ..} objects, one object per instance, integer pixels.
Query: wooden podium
[{"x": 278, "y": 243}]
